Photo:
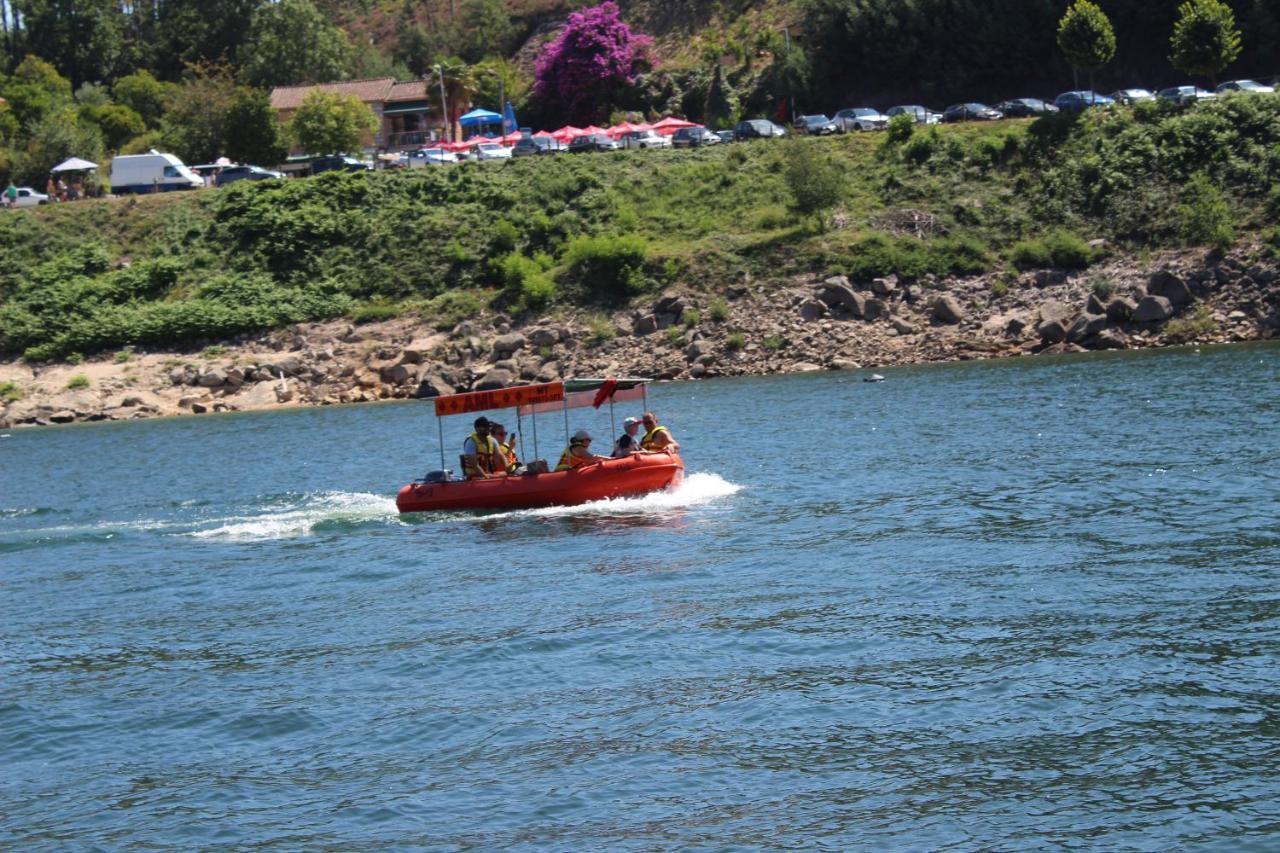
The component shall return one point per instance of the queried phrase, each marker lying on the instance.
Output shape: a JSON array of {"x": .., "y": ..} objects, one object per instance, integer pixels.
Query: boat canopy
[{"x": 544, "y": 397}]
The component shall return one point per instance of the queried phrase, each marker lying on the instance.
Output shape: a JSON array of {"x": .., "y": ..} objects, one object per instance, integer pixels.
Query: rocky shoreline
[{"x": 811, "y": 324}]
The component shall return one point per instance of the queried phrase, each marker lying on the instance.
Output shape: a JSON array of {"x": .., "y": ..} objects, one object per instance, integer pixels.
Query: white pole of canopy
[
  {"x": 613, "y": 430},
  {"x": 520, "y": 435},
  {"x": 566, "y": 420},
  {"x": 535, "y": 434},
  {"x": 440, "y": 429}
]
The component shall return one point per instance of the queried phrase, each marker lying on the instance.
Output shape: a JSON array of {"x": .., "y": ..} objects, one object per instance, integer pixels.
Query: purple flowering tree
[{"x": 586, "y": 66}]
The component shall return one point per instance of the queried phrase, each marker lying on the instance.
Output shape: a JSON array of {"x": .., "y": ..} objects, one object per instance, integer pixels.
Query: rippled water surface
[{"x": 1001, "y": 605}]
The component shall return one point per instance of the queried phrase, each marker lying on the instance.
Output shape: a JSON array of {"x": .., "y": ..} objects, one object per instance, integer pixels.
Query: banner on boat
[
  {"x": 550, "y": 394},
  {"x": 582, "y": 399}
]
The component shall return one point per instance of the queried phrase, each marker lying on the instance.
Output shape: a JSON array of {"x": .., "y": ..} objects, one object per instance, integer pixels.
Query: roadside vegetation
[{"x": 598, "y": 231}]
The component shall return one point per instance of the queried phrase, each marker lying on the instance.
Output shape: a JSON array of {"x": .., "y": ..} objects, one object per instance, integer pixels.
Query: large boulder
[
  {"x": 674, "y": 304},
  {"x": 1055, "y": 319},
  {"x": 1153, "y": 309},
  {"x": 397, "y": 374},
  {"x": 1170, "y": 286},
  {"x": 698, "y": 349},
  {"x": 947, "y": 309},
  {"x": 431, "y": 384},
  {"x": 837, "y": 292},
  {"x": 543, "y": 336},
  {"x": 1120, "y": 309},
  {"x": 875, "y": 309},
  {"x": 1086, "y": 326},
  {"x": 417, "y": 351},
  {"x": 812, "y": 309},
  {"x": 1110, "y": 339},
  {"x": 505, "y": 345},
  {"x": 646, "y": 325},
  {"x": 886, "y": 286},
  {"x": 1095, "y": 305},
  {"x": 214, "y": 378},
  {"x": 495, "y": 378}
]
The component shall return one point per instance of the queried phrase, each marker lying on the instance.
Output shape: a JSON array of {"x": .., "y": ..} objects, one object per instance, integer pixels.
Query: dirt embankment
[{"x": 813, "y": 324}]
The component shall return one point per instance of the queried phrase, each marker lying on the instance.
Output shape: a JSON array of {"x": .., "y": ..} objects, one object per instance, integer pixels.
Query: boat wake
[
  {"x": 695, "y": 490},
  {"x": 316, "y": 512}
]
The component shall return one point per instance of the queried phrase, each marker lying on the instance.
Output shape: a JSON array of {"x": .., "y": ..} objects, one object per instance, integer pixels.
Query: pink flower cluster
[{"x": 593, "y": 57}]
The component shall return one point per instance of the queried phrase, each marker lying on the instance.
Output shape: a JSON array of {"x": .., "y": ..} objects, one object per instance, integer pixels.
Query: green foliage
[
  {"x": 814, "y": 180},
  {"x": 1085, "y": 36},
  {"x": 195, "y": 125},
  {"x": 35, "y": 88},
  {"x": 527, "y": 282},
  {"x": 116, "y": 123},
  {"x": 144, "y": 94},
  {"x": 11, "y": 392},
  {"x": 879, "y": 255},
  {"x": 253, "y": 134},
  {"x": 675, "y": 335},
  {"x": 1205, "y": 39},
  {"x": 773, "y": 343},
  {"x": 735, "y": 342},
  {"x": 452, "y": 307},
  {"x": 78, "y": 382},
  {"x": 609, "y": 268},
  {"x": 1206, "y": 216},
  {"x": 1103, "y": 288},
  {"x": 84, "y": 39},
  {"x": 374, "y": 312},
  {"x": 691, "y": 318},
  {"x": 1058, "y": 249},
  {"x": 1191, "y": 326},
  {"x": 600, "y": 328},
  {"x": 901, "y": 128},
  {"x": 54, "y": 137},
  {"x": 720, "y": 109},
  {"x": 490, "y": 31},
  {"x": 330, "y": 123},
  {"x": 718, "y": 310},
  {"x": 293, "y": 42},
  {"x": 123, "y": 356}
]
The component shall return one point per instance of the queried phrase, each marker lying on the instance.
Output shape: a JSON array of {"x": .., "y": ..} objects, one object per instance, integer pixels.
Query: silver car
[
  {"x": 644, "y": 139},
  {"x": 922, "y": 115},
  {"x": 1185, "y": 94},
  {"x": 1252, "y": 86},
  {"x": 1132, "y": 96},
  {"x": 859, "y": 119}
]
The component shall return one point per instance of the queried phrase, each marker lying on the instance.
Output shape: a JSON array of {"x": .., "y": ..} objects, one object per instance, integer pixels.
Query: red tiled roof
[
  {"x": 414, "y": 90},
  {"x": 369, "y": 91}
]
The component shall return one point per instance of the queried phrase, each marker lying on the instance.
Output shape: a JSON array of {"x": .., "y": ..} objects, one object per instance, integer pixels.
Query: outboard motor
[{"x": 434, "y": 477}]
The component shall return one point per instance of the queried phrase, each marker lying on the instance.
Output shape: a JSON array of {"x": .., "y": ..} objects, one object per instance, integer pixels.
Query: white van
[{"x": 149, "y": 173}]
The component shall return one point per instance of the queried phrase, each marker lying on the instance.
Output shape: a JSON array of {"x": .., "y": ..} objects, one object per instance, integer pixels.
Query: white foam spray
[{"x": 325, "y": 507}]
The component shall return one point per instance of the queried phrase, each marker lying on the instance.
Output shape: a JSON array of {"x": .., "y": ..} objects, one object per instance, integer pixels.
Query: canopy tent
[
  {"x": 478, "y": 117},
  {"x": 75, "y": 164},
  {"x": 617, "y": 130},
  {"x": 542, "y": 398},
  {"x": 222, "y": 162},
  {"x": 509, "y": 119},
  {"x": 512, "y": 138},
  {"x": 568, "y": 133},
  {"x": 671, "y": 124},
  {"x": 591, "y": 128},
  {"x": 545, "y": 134}
]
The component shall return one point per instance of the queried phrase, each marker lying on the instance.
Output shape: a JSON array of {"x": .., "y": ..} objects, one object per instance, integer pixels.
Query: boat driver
[
  {"x": 629, "y": 441},
  {"x": 578, "y": 453},
  {"x": 656, "y": 436},
  {"x": 480, "y": 454}
]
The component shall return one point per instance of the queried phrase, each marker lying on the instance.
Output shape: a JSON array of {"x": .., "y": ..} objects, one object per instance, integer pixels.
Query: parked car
[
  {"x": 206, "y": 170},
  {"x": 492, "y": 151},
  {"x": 860, "y": 119},
  {"x": 644, "y": 139},
  {"x": 1132, "y": 96},
  {"x": 693, "y": 137},
  {"x": 231, "y": 174},
  {"x": 1252, "y": 86},
  {"x": 592, "y": 142},
  {"x": 338, "y": 163},
  {"x": 151, "y": 172},
  {"x": 1025, "y": 108},
  {"x": 532, "y": 146},
  {"x": 28, "y": 197},
  {"x": 922, "y": 115},
  {"x": 758, "y": 128},
  {"x": 971, "y": 112},
  {"x": 1081, "y": 99},
  {"x": 815, "y": 125},
  {"x": 421, "y": 157},
  {"x": 1185, "y": 94},
  {"x": 726, "y": 135}
]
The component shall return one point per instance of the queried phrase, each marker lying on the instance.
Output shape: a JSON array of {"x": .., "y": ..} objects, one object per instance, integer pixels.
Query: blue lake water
[{"x": 990, "y": 605}]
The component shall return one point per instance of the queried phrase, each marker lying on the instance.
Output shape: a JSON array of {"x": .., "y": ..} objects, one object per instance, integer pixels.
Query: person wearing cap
[
  {"x": 578, "y": 453},
  {"x": 656, "y": 436},
  {"x": 480, "y": 455},
  {"x": 627, "y": 443},
  {"x": 506, "y": 447}
]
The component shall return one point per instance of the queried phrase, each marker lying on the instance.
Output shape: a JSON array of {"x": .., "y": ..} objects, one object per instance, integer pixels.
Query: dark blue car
[{"x": 1080, "y": 100}]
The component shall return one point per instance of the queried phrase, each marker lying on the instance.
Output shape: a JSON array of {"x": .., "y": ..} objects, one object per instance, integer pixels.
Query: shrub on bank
[
  {"x": 1058, "y": 249},
  {"x": 607, "y": 269}
]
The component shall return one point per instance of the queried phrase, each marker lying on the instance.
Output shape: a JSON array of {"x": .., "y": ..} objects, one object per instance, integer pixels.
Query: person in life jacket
[
  {"x": 656, "y": 436},
  {"x": 506, "y": 447},
  {"x": 480, "y": 456},
  {"x": 578, "y": 453},
  {"x": 629, "y": 441}
]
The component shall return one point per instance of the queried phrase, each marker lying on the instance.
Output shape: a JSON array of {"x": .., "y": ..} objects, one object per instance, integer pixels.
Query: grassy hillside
[{"x": 528, "y": 235}]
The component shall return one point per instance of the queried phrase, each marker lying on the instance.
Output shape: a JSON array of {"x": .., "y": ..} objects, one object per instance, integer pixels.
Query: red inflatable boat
[
  {"x": 638, "y": 474},
  {"x": 634, "y": 475}
]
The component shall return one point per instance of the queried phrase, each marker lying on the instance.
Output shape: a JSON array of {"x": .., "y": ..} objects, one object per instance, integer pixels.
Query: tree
[
  {"x": 459, "y": 83},
  {"x": 583, "y": 70},
  {"x": 116, "y": 122},
  {"x": 83, "y": 38},
  {"x": 329, "y": 123},
  {"x": 292, "y": 42},
  {"x": 488, "y": 28},
  {"x": 254, "y": 134},
  {"x": 54, "y": 137},
  {"x": 195, "y": 119},
  {"x": 143, "y": 94},
  {"x": 719, "y": 111},
  {"x": 195, "y": 31},
  {"x": 1205, "y": 39},
  {"x": 497, "y": 79},
  {"x": 815, "y": 182},
  {"x": 1086, "y": 38},
  {"x": 35, "y": 88}
]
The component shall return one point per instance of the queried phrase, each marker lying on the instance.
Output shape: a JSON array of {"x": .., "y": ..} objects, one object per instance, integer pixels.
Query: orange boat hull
[{"x": 634, "y": 475}]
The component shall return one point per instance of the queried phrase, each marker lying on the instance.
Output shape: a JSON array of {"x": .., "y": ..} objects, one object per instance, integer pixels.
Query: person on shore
[
  {"x": 11, "y": 195},
  {"x": 578, "y": 453},
  {"x": 62, "y": 190},
  {"x": 506, "y": 447},
  {"x": 656, "y": 436},
  {"x": 51, "y": 190},
  {"x": 628, "y": 442},
  {"x": 480, "y": 456}
]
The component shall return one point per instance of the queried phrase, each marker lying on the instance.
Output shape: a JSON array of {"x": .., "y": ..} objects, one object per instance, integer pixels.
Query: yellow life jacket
[
  {"x": 509, "y": 457},
  {"x": 486, "y": 450},
  {"x": 647, "y": 442},
  {"x": 567, "y": 460}
]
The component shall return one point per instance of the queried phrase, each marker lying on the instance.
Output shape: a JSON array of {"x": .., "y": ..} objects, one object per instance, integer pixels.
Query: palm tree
[{"x": 455, "y": 83}]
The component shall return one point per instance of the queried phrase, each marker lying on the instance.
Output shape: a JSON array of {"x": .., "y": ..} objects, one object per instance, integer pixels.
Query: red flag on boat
[{"x": 603, "y": 394}]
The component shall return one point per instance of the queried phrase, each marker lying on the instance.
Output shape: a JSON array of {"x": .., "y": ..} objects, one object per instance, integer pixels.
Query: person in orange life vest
[
  {"x": 506, "y": 447},
  {"x": 656, "y": 436},
  {"x": 578, "y": 453},
  {"x": 480, "y": 456}
]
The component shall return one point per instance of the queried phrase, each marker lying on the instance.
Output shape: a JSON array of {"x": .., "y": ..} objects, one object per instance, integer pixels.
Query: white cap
[
  {"x": 630, "y": 422},
  {"x": 581, "y": 435}
]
